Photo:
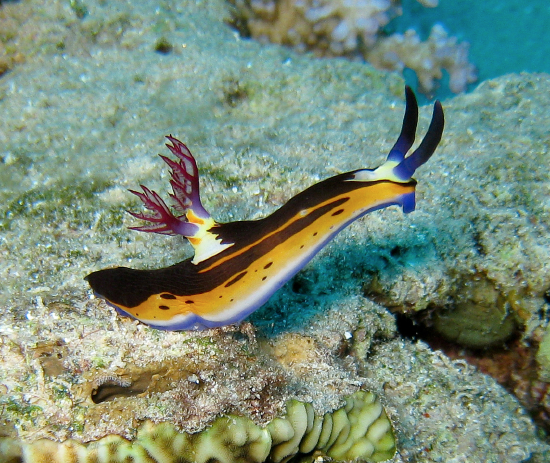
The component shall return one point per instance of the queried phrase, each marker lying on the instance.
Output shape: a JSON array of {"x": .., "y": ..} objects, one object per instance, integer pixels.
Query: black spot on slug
[
  {"x": 338, "y": 212},
  {"x": 167, "y": 296},
  {"x": 164, "y": 307}
]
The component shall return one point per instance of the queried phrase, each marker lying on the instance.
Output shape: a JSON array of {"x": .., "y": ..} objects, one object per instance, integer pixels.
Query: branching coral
[
  {"x": 354, "y": 28},
  {"x": 427, "y": 59}
]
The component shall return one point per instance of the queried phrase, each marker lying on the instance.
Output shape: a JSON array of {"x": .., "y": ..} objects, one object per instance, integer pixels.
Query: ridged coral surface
[{"x": 360, "y": 429}]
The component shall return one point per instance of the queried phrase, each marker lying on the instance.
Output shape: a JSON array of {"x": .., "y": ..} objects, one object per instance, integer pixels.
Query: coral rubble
[{"x": 355, "y": 28}]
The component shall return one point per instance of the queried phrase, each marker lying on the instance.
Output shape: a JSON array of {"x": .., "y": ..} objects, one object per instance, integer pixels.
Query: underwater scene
[{"x": 342, "y": 252}]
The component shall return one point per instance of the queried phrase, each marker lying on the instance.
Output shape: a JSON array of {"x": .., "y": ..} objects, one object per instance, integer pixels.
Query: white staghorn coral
[
  {"x": 427, "y": 59},
  {"x": 347, "y": 23},
  {"x": 353, "y": 28},
  {"x": 328, "y": 27}
]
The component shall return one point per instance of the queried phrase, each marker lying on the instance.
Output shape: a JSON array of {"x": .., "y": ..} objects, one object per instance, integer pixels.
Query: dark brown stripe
[{"x": 234, "y": 280}]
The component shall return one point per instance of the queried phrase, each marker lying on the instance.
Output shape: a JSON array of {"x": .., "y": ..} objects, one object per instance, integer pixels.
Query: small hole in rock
[{"x": 110, "y": 387}]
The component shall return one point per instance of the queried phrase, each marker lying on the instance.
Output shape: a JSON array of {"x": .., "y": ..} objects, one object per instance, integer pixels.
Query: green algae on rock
[
  {"x": 543, "y": 355},
  {"x": 359, "y": 429},
  {"x": 480, "y": 316}
]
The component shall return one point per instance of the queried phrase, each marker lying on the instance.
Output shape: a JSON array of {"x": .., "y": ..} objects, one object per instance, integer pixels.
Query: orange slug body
[{"x": 237, "y": 266}]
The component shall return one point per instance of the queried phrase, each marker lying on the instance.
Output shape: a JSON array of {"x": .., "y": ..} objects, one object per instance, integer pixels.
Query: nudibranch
[{"x": 238, "y": 266}]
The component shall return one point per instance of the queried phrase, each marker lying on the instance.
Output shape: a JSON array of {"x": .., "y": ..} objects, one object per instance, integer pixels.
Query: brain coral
[
  {"x": 354, "y": 28},
  {"x": 360, "y": 429}
]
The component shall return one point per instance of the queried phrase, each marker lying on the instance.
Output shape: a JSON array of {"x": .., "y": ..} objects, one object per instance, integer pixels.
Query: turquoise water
[{"x": 505, "y": 35}]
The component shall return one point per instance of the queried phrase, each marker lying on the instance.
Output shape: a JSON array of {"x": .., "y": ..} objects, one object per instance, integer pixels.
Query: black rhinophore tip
[
  {"x": 407, "y": 135},
  {"x": 407, "y": 167}
]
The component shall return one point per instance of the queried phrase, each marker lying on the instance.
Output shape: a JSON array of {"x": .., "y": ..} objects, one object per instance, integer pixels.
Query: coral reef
[
  {"x": 479, "y": 317},
  {"x": 413, "y": 388},
  {"x": 268, "y": 123},
  {"x": 354, "y": 28},
  {"x": 87, "y": 389},
  {"x": 359, "y": 429},
  {"x": 471, "y": 311}
]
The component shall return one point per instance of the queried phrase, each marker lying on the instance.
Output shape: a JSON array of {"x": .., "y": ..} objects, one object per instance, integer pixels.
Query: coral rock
[{"x": 360, "y": 429}]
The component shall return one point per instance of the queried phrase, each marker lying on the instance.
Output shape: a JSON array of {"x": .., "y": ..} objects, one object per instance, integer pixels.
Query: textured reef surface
[{"x": 90, "y": 90}]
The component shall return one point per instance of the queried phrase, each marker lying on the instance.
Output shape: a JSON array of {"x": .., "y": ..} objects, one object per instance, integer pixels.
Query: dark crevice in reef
[
  {"x": 410, "y": 328},
  {"x": 110, "y": 388}
]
